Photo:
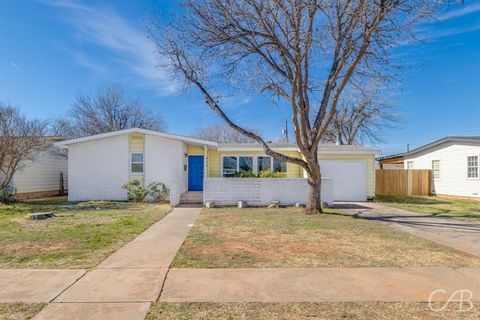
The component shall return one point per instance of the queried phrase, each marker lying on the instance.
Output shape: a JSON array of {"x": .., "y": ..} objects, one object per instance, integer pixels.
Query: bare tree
[
  {"x": 223, "y": 134},
  {"x": 361, "y": 117},
  {"x": 21, "y": 141},
  {"x": 110, "y": 110},
  {"x": 303, "y": 53}
]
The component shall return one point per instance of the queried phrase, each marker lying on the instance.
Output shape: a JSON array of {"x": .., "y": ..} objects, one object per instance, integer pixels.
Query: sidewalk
[
  {"x": 457, "y": 234},
  {"x": 124, "y": 285},
  {"x": 319, "y": 284}
]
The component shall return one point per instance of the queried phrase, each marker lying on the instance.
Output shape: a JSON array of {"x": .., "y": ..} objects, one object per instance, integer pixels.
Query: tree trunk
[{"x": 314, "y": 201}]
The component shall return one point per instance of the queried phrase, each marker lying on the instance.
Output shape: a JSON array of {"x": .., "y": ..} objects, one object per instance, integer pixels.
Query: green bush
[
  {"x": 158, "y": 192},
  {"x": 270, "y": 174},
  {"x": 261, "y": 174},
  {"x": 245, "y": 174},
  {"x": 138, "y": 193},
  {"x": 6, "y": 196}
]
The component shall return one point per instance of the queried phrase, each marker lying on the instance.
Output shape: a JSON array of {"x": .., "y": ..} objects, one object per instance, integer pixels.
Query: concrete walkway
[
  {"x": 124, "y": 285},
  {"x": 318, "y": 285},
  {"x": 450, "y": 232}
]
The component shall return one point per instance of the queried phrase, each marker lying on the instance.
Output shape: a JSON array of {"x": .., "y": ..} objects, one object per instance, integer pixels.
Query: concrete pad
[
  {"x": 94, "y": 311},
  {"x": 315, "y": 285},
  {"x": 158, "y": 245},
  {"x": 116, "y": 285},
  {"x": 457, "y": 234},
  {"x": 35, "y": 285}
]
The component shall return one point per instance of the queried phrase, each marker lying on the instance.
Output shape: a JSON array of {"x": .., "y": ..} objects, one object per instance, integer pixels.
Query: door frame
[{"x": 188, "y": 170}]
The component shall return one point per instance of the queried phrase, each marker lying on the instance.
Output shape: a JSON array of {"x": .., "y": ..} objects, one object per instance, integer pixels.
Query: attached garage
[{"x": 349, "y": 178}]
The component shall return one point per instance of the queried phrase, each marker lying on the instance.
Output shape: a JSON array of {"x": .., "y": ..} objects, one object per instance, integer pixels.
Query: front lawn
[
  {"x": 448, "y": 207},
  {"x": 309, "y": 311},
  {"x": 80, "y": 236},
  {"x": 274, "y": 238}
]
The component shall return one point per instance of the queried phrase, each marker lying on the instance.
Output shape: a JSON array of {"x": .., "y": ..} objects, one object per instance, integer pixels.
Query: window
[
  {"x": 136, "y": 163},
  {"x": 229, "y": 166},
  {"x": 409, "y": 165},
  {"x": 279, "y": 166},
  {"x": 436, "y": 169},
  {"x": 264, "y": 163},
  {"x": 245, "y": 164},
  {"x": 472, "y": 167},
  {"x": 232, "y": 164}
]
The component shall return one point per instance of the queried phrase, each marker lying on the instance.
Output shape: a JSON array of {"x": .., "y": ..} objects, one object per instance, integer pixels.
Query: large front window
[{"x": 233, "y": 164}]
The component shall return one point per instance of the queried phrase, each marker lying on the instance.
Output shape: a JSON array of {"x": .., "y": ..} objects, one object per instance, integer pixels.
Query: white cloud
[
  {"x": 15, "y": 66},
  {"x": 129, "y": 44},
  {"x": 465, "y": 10}
]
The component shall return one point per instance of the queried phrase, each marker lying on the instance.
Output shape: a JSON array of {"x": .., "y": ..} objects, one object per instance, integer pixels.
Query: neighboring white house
[
  {"x": 454, "y": 162},
  {"x": 41, "y": 177},
  {"x": 99, "y": 165}
]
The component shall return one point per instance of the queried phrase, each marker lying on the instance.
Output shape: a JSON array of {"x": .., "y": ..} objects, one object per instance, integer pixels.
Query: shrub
[
  {"x": 154, "y": 191},
  {"x": 158, "y": 192},
  {"x": 245, "y": 174},
  {"x": 136, "y": 192},
  {"x": 7, "y": 196},
  {"x": 270, "y": 174},
  {"x": 261, "y": 174}
]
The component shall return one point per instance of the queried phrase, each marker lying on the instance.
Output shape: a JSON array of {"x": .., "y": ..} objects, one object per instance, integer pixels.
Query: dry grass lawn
[
  {"x": 17, "y": 311},
  {"x": 310, "y": 311},
  {"x": 80, "y": 236},
  {"x": 270, "y": 238}
]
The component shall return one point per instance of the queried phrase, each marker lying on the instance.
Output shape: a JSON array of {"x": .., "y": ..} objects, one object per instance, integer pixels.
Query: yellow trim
[
  {"x": 136, "y": 143},
  {"x": 195, "y": 150}
]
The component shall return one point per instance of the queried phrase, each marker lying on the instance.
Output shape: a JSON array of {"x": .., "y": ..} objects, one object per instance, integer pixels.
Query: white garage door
[{"x": 349, "y": 178}]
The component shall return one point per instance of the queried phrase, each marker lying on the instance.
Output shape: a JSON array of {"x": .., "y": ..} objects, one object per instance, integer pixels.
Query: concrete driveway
[{"x": 457, "y": 234}]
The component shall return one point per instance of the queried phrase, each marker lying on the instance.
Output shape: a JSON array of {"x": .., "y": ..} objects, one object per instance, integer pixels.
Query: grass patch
[
  {"x": 447, "y": 207},
  {"x": 274, "y": 238},
  {"x": 80, "y": 236},
  {"x": 297, "y": 311},
  {"x": 15, "y": 311}
]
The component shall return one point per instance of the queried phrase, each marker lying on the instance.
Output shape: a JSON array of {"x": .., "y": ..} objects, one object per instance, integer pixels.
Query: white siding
[
  {"x": 43, "y": 174},
  {"x": 98, "y": 169},
  {"x": 164, "y": 161},
  {"x": 453, "y": 168}
]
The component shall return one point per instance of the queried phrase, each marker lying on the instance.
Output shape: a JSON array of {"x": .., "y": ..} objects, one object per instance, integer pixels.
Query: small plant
[
  {"x": 7, "y": 196},
  {"x": 158, "y": 191},
  {"x": 245, "y": 174},
  {"x": 154, "y": 191},
  {"x": 261, "y": 174},
  {"x": 136, "y": 192},
  {"x": 271, "y": 174}
]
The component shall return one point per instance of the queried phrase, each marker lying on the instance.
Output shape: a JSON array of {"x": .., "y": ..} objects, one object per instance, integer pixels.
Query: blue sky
[{"x": 50, "y": 51}]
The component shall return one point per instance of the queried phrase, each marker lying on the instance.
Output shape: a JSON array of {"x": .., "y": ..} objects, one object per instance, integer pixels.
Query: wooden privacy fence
[{"x": 403, "y": 182}]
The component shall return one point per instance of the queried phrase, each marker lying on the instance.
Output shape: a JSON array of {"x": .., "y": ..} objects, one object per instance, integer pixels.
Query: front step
[{"x": 192, "y": 197}]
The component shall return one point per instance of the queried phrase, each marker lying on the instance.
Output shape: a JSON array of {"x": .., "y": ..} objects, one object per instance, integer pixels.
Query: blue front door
[{"x": 195, "y": 173}]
